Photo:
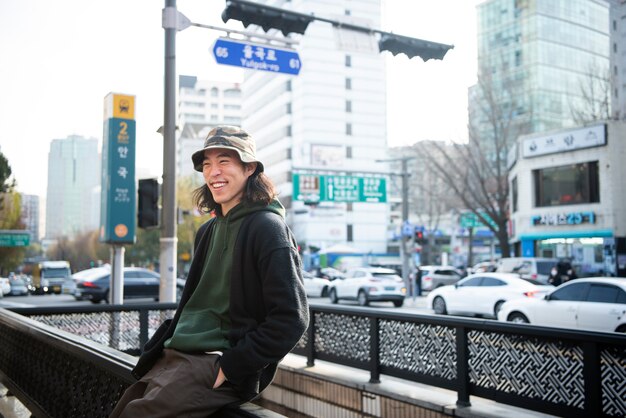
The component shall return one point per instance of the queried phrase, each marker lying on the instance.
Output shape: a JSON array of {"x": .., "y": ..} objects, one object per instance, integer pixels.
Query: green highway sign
[
  {"x": 470, "y": 220},
  {"x": 325, "y": 188},
  {"x": 9, "y": 238}
]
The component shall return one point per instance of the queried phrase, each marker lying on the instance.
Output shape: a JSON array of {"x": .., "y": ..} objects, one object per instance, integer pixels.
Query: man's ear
[{"x": 251, "y": 168}]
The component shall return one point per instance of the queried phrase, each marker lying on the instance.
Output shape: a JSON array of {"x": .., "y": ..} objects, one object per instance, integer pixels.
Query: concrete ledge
[{"x": 328, "y": 389}]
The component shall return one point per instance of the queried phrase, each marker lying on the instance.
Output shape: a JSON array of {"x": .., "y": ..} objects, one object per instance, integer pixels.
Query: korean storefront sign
[{"x": 571, "y": 218}]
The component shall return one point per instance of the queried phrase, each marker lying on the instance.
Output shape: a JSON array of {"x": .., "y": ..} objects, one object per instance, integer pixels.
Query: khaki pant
[{"x": 178, "y": 385}]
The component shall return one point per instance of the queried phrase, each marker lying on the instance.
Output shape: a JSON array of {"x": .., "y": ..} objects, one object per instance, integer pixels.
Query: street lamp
[{"x": 404, "y": 252}]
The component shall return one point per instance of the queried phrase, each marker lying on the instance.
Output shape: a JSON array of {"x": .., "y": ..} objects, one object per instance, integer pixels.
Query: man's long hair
[{"x": 259, "y": 189}]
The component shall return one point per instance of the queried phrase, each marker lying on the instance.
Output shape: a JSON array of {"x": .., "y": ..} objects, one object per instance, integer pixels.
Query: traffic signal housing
[
  {"x": 397, "y": 44},
  {"x": 267, "y": 17},
  {"x": 148, "y": 203}
]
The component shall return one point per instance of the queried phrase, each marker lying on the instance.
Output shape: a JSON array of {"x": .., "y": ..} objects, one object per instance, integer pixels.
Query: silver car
[{"x": 437, "y": 276}]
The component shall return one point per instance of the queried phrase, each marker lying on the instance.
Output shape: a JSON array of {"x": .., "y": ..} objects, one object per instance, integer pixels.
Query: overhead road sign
[
  {"x": 256, "y": 56},
  {"x": 14, "y": 238},
  {"x": 321, "y": 188}
]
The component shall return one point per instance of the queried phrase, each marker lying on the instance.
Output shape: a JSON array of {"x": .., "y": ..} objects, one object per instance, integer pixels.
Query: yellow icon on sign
[{"x": 119, "y": 106}]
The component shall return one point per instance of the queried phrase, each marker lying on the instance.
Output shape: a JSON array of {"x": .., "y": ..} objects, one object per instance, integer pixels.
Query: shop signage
[
  {"x": 587, "y": 137},
  {"x": 572, "y": 218}
]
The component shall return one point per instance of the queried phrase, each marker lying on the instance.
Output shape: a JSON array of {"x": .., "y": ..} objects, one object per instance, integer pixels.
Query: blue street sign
[{"x": 256, "y": 56}]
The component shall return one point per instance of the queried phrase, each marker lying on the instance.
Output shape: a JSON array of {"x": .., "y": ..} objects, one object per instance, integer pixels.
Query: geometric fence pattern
[
  {"x": 418, "y": 348},
  {"x": 527, "y": 366},
  {"x": 342, "y": 336},
  {"x": 613, "y": 375}
]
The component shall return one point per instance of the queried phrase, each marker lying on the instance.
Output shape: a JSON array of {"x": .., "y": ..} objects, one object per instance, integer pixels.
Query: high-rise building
[
  {"x": 329, "y": 120},
  {"x": 537, "y": 61},
  {"x": 617, "y": 28},
  {"x": 73, "y": 173},
  {"x": 202, "y": 104},
  {"x": 30, "y": 215}
]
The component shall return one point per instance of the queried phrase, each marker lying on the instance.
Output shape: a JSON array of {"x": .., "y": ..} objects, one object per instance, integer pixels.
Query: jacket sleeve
[{"x": 282, "y": 301}]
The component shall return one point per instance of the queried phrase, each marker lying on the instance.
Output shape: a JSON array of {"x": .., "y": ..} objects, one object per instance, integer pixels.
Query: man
[{"x": 243, "y": 307}]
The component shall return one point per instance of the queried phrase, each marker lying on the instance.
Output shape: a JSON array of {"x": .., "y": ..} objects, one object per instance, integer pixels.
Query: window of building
[
  {"x": 567, "y": 185},
  {"x": 347, "y": 13},
  {"x": 514, "y": 194},
  {"x": 349, "y": 207},
  {"x": 232, "y": 93},
  {"x": 288, "y": 86},
  {"x": 614, "y": 24},
  {"x": 349, "y": 233},
  {"x": 214, "y": 92},
  {"x": 288, "y": 130},
  {"x": 348, "y": 84},
  {"x": 614, "y": 47},
  {"x": 348, "y": 61},
  {"x": 348, "y": 106},
  {"x": 348, "y": 152},
  {"x": 213, "y": 105},
  {"x": 348, "y": 129},
  {"x": 288, "y": 108}
]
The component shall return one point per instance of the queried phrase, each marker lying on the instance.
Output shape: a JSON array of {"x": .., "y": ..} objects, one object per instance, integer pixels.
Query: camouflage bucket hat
[{"x": 228, "y": 137}]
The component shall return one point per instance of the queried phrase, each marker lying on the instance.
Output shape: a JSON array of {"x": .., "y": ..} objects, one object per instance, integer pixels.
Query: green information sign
[
  {"x": 470, "y": 220},
  {"x": 324, "y": 188},
  {"x": 14, "y": 238}
]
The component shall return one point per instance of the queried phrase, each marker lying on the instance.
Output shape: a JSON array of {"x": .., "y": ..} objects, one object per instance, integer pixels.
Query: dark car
[{"x": 94, "y": 284}]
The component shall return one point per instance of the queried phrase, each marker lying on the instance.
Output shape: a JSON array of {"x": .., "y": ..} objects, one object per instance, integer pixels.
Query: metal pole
[
  {"x": 405, "y": 219},
  {"x": 117, "y": 275},
  {"x": 168, "y": 241}
]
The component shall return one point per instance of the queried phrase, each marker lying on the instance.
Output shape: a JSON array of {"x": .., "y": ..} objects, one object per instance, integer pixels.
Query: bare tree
[
  {"x": 476, "y": 173},
  {"x": 595, "y": 96}
]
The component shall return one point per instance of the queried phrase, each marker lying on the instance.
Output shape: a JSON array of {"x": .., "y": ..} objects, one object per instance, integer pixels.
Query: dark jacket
[{"x": 268, "y": 305}]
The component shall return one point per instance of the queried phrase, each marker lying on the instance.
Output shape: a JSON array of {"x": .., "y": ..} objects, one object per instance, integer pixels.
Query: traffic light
[
  {"x": 397, "y": 44},
  {"x": 419, "y": 237},
  {"x": 267, "y": 17},
  {"x": 147, "y": 206}
]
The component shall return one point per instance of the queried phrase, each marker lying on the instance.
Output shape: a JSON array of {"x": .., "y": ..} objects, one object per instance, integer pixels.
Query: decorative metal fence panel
[{"x": 566, "y": 373}]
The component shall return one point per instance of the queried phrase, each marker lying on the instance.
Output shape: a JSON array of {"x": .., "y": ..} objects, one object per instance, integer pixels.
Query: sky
[{"x": 59, "y": 59}]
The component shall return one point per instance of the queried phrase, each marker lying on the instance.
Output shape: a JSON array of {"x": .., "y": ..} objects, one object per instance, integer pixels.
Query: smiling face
[{"x": 226, "y": 175}]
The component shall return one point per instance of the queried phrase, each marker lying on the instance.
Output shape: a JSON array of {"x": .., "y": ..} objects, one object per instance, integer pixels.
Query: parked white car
[
  {"x": 315, "y": 286},
  {"x": 593, "y": 303},
  {"x": 369, "y": 284},
  {"x": 483, "y": 294},
  {"x": 5, "y": 286}
]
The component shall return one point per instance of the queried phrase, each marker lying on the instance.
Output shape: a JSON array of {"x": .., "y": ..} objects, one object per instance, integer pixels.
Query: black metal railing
[
  {"x": 46, "y": 361},
  {"x": 560, "y": 372}
]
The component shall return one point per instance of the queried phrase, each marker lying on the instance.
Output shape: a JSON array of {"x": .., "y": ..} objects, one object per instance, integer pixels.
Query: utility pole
[
  {"x": 169, "y": 241},
  {"x": 405, "y": 252}
]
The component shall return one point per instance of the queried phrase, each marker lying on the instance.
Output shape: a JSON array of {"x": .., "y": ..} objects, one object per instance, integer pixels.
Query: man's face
[{"x": 226, "y": 176}]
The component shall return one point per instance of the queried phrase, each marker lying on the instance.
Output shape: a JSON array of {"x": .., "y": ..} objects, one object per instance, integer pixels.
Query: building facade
[
  {"x": 568, "y": 199},
  {"x": 31, "y": 216},
  {"x": 328, "y": 121},
  {"x": 72, "y": 207},
  {"x": 203, "y": 104},
  {"x": 618, "y": 58},
  {"x": 538, "y": 60}
]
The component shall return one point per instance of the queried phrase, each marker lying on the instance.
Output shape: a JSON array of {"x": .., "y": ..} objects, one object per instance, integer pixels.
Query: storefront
[{"x": 568, "y": 198}]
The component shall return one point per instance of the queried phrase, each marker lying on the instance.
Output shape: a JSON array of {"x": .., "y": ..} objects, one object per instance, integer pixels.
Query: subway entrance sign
[
  {"x": 326, "y": 188},
  {"x": 14, "y": 238},
  {"x": 256, "y": 56}
]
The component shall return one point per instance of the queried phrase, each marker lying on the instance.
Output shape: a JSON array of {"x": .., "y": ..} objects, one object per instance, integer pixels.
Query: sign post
[
  {"x": 323, "y": 188},
  {"x": 118, "y": 208},
  {"x": 256, "y": 56}
]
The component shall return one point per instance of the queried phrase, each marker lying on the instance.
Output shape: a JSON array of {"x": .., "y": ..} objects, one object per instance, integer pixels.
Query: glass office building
[{"x": 541, "y": 59}]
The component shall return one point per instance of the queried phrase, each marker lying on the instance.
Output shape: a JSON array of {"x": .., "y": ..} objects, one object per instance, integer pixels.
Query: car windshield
[
  {"x": 56, "y": 272},
  {"x": 390, "y": 276}
]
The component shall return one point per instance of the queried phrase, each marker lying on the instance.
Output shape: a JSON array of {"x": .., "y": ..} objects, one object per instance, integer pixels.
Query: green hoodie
[{"x": 204, "y": 322}]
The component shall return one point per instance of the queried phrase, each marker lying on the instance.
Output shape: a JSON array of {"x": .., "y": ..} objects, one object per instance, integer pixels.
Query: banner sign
[
  {"x": 591, "y": 136},
  {"x": 323, "y": 188},
  {"x": 118, "y": 201}
]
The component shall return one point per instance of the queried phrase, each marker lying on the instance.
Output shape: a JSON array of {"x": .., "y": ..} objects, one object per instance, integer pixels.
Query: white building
[
  {"x": 568, "y": 198},
  {"x": 618, "y": 58},
  {"x": 330, "y": 120},
  {"x": 203, "y": 104},
  {"x": 73, "y": 173}
]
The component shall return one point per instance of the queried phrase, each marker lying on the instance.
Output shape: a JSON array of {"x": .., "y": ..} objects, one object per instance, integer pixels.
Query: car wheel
[
  {"x": 398, "y": 303},
  {"x": 497, "y": 308},
  {"x": 362, "y": 298},
  {"x": 439, "y": 306},
  {"x": 325, "y": 291},
  {"x": 518, "y": 318},
  {"x": 333, "y": 296}
]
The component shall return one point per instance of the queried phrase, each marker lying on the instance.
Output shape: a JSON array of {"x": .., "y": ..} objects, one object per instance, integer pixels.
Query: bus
[{"x": 52, "y": 277}]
